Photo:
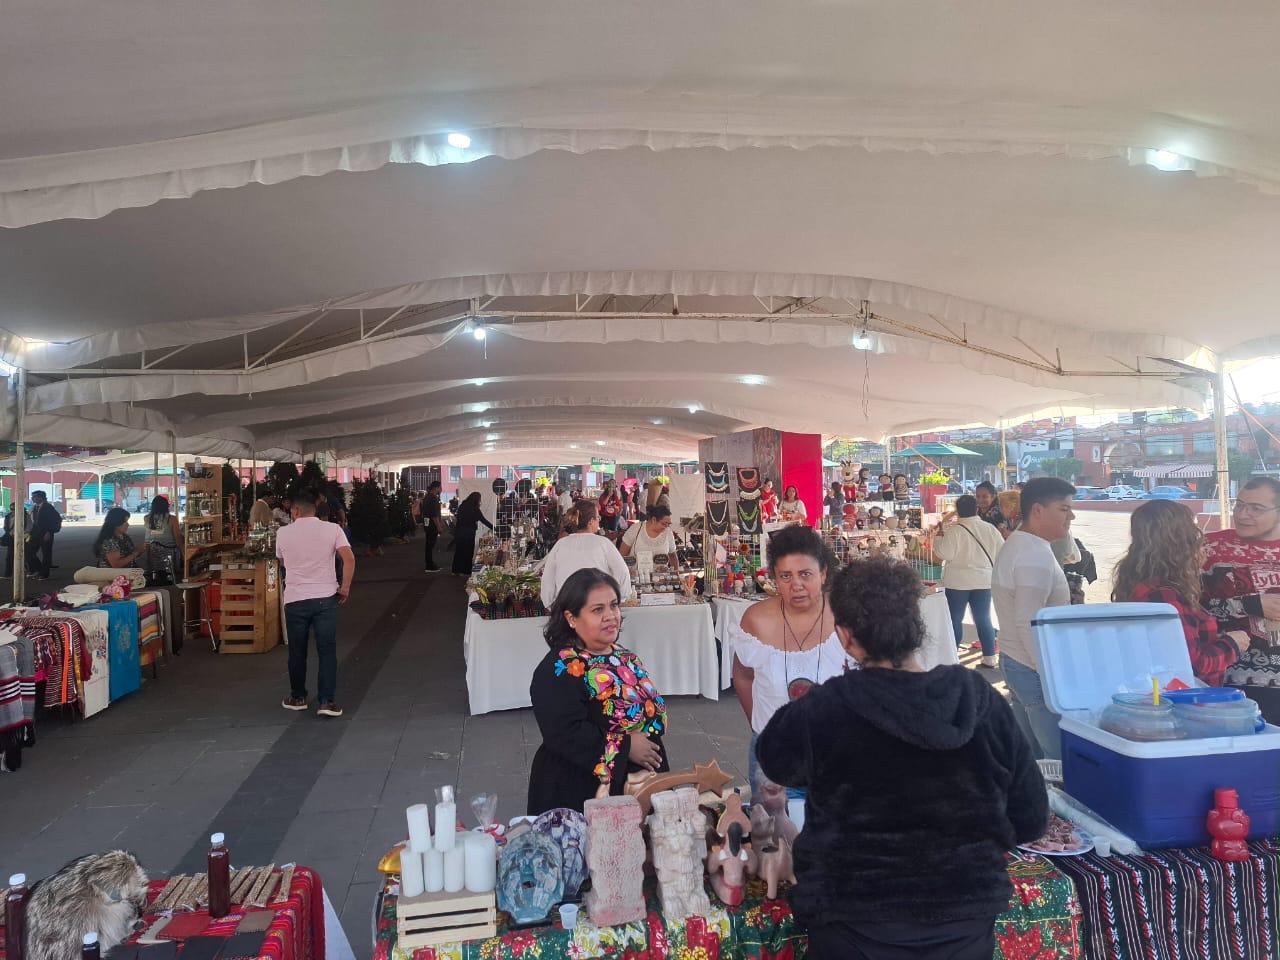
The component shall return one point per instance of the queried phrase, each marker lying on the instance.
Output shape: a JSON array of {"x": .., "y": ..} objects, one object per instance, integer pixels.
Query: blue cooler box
[{"x": 1158, "y": 793}]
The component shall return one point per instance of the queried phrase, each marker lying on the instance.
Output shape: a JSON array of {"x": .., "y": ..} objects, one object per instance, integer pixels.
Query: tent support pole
[
  {"x": 99, "y": 493},
  {"x": 173, "y": 463},
  {"x": 1220, "y": 445},
  {"x": 253, "y": 475},
  {"x": 155, "y": 474},
  {"x": 1004, "y": 458},
  {"x": 20, "y": 492}
]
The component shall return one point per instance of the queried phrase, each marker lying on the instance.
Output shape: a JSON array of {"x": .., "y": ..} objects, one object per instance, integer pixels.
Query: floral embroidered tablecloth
[{"x": 1042, "y": 923}]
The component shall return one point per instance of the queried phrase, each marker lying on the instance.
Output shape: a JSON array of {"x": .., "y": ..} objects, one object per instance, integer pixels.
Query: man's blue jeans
[
  {"x": 1037, "y": 721},
  {"x": 302, "y": 617}
]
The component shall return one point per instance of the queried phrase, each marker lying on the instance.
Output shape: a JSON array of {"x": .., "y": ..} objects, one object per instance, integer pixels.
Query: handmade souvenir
[
  {"x": 748, "y": 479},
  {"x": 704, "y": 776},
  {"x": 102, "y": 892},
  {"x": 615, "y": 855},
  {"x": 849, "y": 480},
  {"x": 677, "y": 836},
  {"x": 718, "y": 517},
  {"x": 750, "y": 495},
  {"x": 729, "y": 865},
  {"x": 568, "y": 829},
  {"x": 530, "y": 877},
  {"x": 749, "y": 517},
  {"x": 776, "y": 865},
  {"x": 716, "y": 476}
]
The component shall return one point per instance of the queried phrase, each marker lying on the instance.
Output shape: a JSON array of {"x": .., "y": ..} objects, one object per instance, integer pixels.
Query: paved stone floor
[{"x": 207, "y": 746}]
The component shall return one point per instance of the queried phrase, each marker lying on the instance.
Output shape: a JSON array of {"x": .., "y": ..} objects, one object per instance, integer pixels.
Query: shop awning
[
  {"x": 1176, "y": 471},
  {"x": 881, "y": 224}
]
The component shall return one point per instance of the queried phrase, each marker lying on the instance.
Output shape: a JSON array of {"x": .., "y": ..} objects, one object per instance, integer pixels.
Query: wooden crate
[
  {"x": 437, "y": 918},
  {"x": 250, "y": 605}
]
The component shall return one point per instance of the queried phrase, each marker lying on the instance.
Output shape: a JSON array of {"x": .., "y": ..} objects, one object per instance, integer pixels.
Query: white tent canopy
[{"x": 1023, "y": 204}]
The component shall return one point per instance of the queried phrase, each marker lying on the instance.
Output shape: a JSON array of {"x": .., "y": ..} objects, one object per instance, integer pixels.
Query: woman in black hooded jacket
[{"x": 911, "y": 808}]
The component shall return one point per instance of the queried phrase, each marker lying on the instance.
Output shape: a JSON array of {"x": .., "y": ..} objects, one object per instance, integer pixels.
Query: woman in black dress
[
  {"x": 600, "y": 715},
  {"x": 466, "y": 526}
]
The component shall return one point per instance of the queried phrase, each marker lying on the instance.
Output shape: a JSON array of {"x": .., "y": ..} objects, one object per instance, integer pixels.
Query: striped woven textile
[
  {"x": 1178, "y": 904},
  {"x": 150, "y": 627}
]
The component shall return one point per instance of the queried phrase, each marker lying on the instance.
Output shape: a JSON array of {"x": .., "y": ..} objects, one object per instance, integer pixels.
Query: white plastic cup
[
  {"x": 568, "y": 915},
  {"x": 1102, "y": 846}
]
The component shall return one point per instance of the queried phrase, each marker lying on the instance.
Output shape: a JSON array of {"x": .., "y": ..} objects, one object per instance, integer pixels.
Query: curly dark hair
[
  {"x": 571, "y": 599},
  {"x": 798, "y": 539},
  {"x": 878, "y": 601}
]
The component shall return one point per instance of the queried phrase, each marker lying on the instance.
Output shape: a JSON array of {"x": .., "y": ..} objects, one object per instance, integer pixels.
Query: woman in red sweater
[{"x": 1162, "y": 565}]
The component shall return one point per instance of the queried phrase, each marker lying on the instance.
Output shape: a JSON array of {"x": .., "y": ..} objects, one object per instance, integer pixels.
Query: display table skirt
[{"x": 677, "y": 644}]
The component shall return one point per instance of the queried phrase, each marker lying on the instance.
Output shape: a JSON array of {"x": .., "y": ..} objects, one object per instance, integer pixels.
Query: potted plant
[{"x": 932, "y": 486}]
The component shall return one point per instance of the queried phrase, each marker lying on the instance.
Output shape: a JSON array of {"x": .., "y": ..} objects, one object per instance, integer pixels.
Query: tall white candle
[
  {"x": 411, "y": 882},
  {"x": 433, "y": 875},
  {"x": 481, "y": 862},
  {"x": 455, "y": 869},
  {"x": 446, "y": 825},
  {"x": 419, "y": 819}
]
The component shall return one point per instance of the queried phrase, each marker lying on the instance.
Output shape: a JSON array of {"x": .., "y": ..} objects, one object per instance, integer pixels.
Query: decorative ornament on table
[
  {"x": 615, "y": 856},
  {"x": 718, "y": 517},
  {"x": 678, "y": 838},
  {"x": 716, "y": 476},
  {"x": 749, "y": 518},
  {"x": 748, "y": 479},
  {"x": 484, "y": 807},
  {"x": 568, "y": 829},
  {"x": 530, "y": 877},
  {"x": 704, "y": 776},
  {"x": 117, "y": 589},
  {"x": 731, "y": 860}
]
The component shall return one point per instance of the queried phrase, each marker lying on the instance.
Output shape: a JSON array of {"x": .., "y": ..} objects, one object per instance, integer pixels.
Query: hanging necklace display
[
  {"x": 750, "y": 495},
  {"x": 718, "y": 517},
  {"x": 748, "y": 479},
  {"x": 749, "y": 517},
  {"x": 716, "y": 474},
  {"x": 798, "y": 687}
]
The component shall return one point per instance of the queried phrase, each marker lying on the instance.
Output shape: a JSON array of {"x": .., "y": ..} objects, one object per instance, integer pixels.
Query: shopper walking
[
  {"x": 434, "y": 523},
  {"x": 968, "y": 548},
  {"x": 308, "y": 548},
  {"x": 1027, "y": 578},
  {"x": 45, "y": 522}
]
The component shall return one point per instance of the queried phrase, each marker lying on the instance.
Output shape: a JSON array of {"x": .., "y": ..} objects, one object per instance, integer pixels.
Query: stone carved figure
[
  {"x": 776, "y": 865},
  {"x": 568, "y": 829},
  {"x": 615, "y": 856},
  {"x": 530, "y": 877},
  {"x": 677, "y": 834}
]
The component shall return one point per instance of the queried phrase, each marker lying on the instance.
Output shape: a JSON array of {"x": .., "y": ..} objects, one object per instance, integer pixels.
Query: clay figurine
[
  {"x": 530, "y": 877},
  {"x": 615, "y": 856},
  {"x": 776, "y": 865},
  {"x": 568, "y": 829},
  {"x": 677, "y": 834},
  {"x": 728, "y": 866},
  {"x": 773, "y": 798}
]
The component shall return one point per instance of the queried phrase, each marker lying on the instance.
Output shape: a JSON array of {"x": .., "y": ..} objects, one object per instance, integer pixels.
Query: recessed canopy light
[
  {"x": 692, "y": 408},
  {"x": 459, "y": 140},
  {"x": 599, "y": 443},
  {"x": 573, "y": 446},
  {"x": 753, "y": 380},
  {"x": 861, "y": 341},
  {"x": 479, "y": 333},
  {"x": 479, "y": 382},
  {"x": 1166, "y": 160}
]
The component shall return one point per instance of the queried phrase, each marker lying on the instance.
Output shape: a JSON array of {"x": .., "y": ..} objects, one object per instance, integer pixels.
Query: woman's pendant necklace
[{"x": 800, "y": 686}]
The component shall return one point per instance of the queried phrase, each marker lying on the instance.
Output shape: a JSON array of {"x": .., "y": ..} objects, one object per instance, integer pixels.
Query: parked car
[
  {"x": 1169, "y": 493},
  {"x": 1122, "y": 491},
  {"x": 1090, "y": 493}
]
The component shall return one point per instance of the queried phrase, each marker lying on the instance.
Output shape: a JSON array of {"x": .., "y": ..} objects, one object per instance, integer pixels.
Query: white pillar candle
[
  {"x": 419, "y": 819},
  {"x": 446, "y": 825},
  {"x": 455, "y": 869},
  {"x": 433, "y": 875},
  {"x": 411, "y": 884},
  {"x": 481, "y": 862}
]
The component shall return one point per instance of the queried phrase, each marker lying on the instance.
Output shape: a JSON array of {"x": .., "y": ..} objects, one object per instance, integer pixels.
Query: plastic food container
[
  {"x": 1135, "y": 717},
  {"x": 1228, "y": 718}
]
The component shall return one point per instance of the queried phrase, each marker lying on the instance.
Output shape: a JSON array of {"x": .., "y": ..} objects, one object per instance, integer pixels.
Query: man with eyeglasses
[{"x": 1242, "y": 589}]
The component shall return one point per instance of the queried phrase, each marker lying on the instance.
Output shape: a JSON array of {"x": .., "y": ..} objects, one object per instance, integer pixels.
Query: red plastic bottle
[
  {"x": 219, "y": 877},
  {"x": 15, "y": 916},
  {"x": 1229, "y": 827}
]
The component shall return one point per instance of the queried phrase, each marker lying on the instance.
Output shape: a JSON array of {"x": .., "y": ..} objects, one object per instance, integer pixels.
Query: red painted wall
[{"x": 802, "y": 467}]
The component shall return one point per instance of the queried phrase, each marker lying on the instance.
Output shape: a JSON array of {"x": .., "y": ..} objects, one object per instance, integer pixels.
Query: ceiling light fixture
[
  {"x": 753, "y": 380},
  {"x": 459, "y": 140},
  {"x": 861, "y": 341},
  {"x": 479, "y": 333},
  {"x": 599, "y": 443},
  {"x": 1166, "y": 160},
  {"x": 692, "y": 408},
  {"x": 479, "y": 382}
]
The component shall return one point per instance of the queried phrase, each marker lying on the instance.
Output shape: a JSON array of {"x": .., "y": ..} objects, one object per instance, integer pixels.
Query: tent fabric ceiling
[{"x": 990, "y": 172}]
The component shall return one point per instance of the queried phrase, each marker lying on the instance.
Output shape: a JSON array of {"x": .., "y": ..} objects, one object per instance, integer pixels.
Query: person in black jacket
[
  {"x": 466, "y": 527},
  {"x": 45, "y": 522},
  {"x": 600, "y": 715},
  {"x": 911, "y": 808}
]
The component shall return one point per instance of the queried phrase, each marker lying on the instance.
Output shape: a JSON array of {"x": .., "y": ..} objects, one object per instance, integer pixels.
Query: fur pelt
[{"x": 103, "y": 892}]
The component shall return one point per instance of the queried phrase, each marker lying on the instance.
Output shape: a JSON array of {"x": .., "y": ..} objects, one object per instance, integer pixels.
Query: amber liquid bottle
[
  {"x": 15, "y": 916},
  {"x": 219, "y": 877},
  {"x": 89, "y": 949}
]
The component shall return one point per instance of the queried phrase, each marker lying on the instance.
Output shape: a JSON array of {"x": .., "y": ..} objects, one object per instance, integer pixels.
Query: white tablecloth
[
  {"x": 676, "y": 644},
  {"x": 939, "y": 645}
]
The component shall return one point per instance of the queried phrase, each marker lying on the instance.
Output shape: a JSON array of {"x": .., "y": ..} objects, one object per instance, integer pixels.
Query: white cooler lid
[{"x": 1090, "y": 651}]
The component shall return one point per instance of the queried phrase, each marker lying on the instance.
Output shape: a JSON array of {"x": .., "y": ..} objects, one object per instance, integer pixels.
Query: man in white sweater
[
  {"x": 968, "y": 547},
  {"x": 1027, "y": 578}
]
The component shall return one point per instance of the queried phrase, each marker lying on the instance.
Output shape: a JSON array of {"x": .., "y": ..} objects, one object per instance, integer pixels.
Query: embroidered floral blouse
[{"x": 586, "y": 705}]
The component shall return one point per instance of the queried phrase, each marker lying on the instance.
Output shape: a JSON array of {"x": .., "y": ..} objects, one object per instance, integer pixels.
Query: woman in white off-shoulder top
[{"x": 786, "y": 644}]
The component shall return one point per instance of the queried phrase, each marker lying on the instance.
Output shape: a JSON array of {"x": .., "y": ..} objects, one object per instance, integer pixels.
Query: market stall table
[
  {"x": 676, "y": 643},
  {"x": 1178, "y": 903},
  {"x": 939, "y": 643},
  {"x": 1041, "y": 923}
]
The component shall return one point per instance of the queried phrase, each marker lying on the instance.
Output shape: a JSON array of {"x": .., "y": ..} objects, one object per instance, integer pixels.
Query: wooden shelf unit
[
  {"x": 250, "y": 604},
  {"x": 206, "y": 489}
]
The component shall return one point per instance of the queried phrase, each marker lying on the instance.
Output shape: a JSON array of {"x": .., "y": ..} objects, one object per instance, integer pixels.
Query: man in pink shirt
[{"x": 307, "y": 548}]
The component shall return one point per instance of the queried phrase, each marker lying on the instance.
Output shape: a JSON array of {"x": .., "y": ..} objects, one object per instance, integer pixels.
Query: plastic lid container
[
  {"x": 1131, "y": 718},
  {"x": 218, "y": 839},
  {"x": 1235, "y": 718},
  {"x": 1204, "y": 695},
  {"x": 18, "y": 880}
]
